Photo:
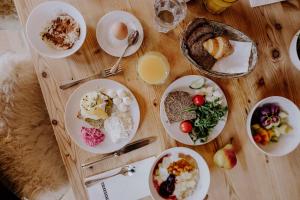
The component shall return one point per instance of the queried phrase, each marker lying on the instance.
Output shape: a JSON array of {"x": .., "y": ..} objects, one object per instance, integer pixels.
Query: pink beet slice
[{"x": 92, "y": 136}]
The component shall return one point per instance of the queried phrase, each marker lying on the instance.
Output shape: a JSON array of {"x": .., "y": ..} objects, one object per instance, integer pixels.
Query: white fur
[{"x": 29, "y": 155}]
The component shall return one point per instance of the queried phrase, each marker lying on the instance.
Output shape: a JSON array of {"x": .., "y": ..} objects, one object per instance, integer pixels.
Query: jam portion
[{"x": 167, "y": 187}]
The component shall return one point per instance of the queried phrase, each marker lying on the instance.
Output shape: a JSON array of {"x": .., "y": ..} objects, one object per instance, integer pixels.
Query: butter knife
[{"x": 128, "y": 148}]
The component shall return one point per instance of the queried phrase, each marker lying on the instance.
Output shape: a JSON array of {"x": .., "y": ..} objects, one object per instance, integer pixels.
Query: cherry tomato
[
  {"x": 186, "y": 126},
  {"x": 198, "y": 100}
]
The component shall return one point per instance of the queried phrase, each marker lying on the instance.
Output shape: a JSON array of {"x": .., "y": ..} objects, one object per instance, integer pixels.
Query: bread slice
[{"x": 218, "y": 47}]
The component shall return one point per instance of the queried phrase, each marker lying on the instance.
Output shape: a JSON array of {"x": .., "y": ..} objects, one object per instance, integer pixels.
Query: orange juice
[
  {"x": 153, "y": 68},
  {"x": 218, "y": 6}
]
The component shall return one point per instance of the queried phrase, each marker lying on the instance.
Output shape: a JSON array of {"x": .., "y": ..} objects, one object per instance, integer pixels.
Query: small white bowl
[
  {"x": 204, "y": 175},
  {"x": 293, "y": 51},
  {"x": 287, "y": 143},
  {"x": 40, "y": 17}
]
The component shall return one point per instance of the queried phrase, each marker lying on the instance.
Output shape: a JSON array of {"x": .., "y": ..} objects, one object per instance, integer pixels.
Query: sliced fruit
[
  {"x": 99, "y": 113},
  {"x": 197, "y": 84},
  {"x": 257, "y": 138}
]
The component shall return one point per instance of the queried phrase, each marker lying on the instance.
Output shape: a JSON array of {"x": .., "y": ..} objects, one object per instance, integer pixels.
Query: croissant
[{"x": 218, "y": 47}]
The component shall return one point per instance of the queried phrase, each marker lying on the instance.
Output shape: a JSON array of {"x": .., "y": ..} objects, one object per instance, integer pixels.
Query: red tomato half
[
  {"x": 198, "y": 100},
  {"x": 186, "y": 126}
]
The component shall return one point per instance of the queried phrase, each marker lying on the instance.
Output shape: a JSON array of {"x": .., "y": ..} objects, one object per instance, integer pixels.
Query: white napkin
[
  {"x": 238, "y": 61},
  {"x": 255, "y": 3},
  {"x": 123, "y": 187}
]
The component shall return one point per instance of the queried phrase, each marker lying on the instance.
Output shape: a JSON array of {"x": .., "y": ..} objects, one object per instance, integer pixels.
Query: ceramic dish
[
  {"x": 105, "y": 38},
  {"x": 173, "y": 129},
  {"x": 293, "y": 50},
  {"x": 286, "y": 143},
  {"x": 41, "y": 16},
  {"x": 73, "y": 124},
  {"x": 203, "y": 181},
  {"x": 232, "y": 34}
]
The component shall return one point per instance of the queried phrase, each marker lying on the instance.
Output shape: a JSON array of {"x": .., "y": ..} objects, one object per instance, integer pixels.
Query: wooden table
[{"x": 256, "y": 176}]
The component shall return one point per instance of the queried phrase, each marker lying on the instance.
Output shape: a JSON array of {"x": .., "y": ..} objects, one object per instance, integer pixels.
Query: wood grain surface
[{"x": 256, "y": 176}]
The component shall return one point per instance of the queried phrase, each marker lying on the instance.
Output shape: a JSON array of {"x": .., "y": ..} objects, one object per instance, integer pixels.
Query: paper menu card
[
  {"x": 123, "y": 187},
  {"x": 255, "y": 3}
]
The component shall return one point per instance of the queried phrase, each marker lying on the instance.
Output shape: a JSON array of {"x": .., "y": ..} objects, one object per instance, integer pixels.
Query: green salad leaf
[{"x": 207, "y": 117}]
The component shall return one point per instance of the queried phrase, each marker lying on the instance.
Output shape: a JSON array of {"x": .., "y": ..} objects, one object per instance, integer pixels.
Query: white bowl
[
  {"x": 293, "y": 51},
  {"x": 40, "y": 17},
  {"x": 204, "y": 175},
  {"x": 287, "y": 143}
]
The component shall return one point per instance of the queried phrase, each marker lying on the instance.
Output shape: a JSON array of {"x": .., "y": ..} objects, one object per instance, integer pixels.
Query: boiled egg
[{"x": 119, "y": 30}]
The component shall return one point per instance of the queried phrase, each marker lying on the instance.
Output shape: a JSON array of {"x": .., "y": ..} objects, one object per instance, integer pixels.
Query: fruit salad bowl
[{"x": 274, "y": 134}]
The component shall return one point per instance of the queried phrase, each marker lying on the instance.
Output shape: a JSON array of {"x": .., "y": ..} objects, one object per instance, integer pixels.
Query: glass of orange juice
[
  {"x": 218, "y": 6},
  {"x": 153, "y": 68}
]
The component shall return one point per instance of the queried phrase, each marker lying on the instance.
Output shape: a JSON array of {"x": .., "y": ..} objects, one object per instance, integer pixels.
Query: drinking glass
[
  {"x": 168, "y": 14},
  {"x": 218, "y": 6}
]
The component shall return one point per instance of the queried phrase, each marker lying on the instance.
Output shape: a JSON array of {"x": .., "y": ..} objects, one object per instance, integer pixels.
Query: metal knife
[{"x": 129, "y": 147}]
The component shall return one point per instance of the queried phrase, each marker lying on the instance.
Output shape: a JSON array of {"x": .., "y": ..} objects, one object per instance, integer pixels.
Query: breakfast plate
[
  {"x": 105, "y": 35},
  {"x": 194, "y": 183},
  {"x": 81, "y": 123},
  {"x": 184, "y": 88},
  {"x": 41, "y": 19}
]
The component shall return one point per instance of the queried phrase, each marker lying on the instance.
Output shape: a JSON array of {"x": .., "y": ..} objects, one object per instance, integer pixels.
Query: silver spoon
[
  {"x": 127, "y": 170},
  {"x": 132, "y": 39}
]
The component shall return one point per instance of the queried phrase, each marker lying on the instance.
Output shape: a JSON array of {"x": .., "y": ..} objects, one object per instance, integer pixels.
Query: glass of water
[{"x": 168, "y": 14}]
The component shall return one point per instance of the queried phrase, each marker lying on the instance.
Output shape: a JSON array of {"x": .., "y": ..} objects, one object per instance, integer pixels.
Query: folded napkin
[
  {"x": 123, "y": 187},
  {"x": 254, "y": 3},
  {"x": 238, "y": 61}
]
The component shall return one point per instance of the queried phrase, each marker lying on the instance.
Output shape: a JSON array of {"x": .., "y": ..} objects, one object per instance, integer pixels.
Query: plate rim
[
  {"x": 161, "y": 109},
  {"x": 95, "y": 149}
]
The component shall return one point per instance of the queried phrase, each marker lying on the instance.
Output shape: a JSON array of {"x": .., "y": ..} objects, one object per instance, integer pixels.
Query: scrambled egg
[{"x": 92, "y": 106}]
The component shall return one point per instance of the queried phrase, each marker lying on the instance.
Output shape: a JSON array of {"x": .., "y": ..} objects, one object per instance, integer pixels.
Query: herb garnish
[{"x": 207, "y": 118}]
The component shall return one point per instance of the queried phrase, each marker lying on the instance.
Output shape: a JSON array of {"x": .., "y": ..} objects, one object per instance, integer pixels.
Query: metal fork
[{"x": 103, "y": 74}]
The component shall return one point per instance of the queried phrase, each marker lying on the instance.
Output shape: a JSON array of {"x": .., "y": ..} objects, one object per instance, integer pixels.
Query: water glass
[{"x": 168, "y": 14}]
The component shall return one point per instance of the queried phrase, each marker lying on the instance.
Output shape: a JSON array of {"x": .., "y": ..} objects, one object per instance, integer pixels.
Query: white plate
[
  {"x": 73, "y": 124},
  {"x": 173, "y": 129},
  {"x": 287, "y": 143},
  {"x": 40, "y": 17},
  {"x": 204, "y": 175},
  {"x": 106, "y": 39}
]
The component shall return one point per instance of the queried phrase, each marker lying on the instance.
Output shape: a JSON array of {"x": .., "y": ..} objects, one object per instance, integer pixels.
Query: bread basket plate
[{"x": 232, "y": 34}]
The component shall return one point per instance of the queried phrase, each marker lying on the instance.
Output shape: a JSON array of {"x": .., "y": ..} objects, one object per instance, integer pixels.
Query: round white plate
[
  {"x": 73, "y": 124},
  {"x": 287, "y": 143},
  {"x": 41, "y": 16},
  {"x": 173, "y": 129},
  {"x": 108, "y": 42},
  {"x": 204, "y": 175}
]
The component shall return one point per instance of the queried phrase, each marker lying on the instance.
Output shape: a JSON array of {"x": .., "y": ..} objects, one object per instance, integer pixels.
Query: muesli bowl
[
  {"x": 40, "y": 18},
  {"x": 193, "y": 184},
  {"x": 231, "y": 34}
]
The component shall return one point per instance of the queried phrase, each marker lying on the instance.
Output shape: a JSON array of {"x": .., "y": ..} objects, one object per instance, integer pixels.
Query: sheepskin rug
[{"x": 29, "y": 155}]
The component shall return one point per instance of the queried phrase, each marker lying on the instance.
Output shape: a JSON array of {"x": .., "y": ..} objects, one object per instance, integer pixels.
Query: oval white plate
[
  {"x": 106, "y": 39},
  {"x": 73, "y": 124},
  {"x": 204, "y": 174},
  {"x": 40, "y": 17},
  {"x": 173, "y": 129},
  {"x": 287, "y": 143}
]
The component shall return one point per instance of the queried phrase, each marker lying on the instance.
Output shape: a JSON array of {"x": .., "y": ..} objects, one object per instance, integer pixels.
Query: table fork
[{"x": 103, "y": 74}]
